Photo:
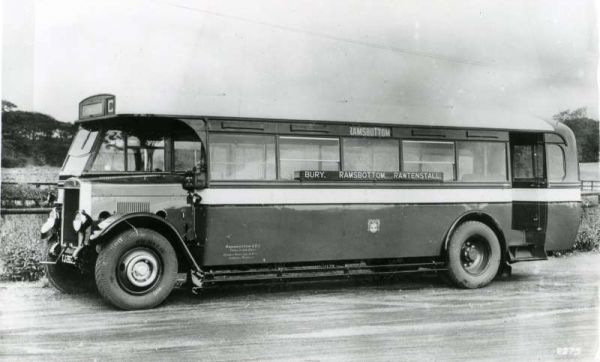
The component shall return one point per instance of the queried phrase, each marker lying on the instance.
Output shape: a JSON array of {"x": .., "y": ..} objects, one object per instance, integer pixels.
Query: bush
[
  {"x": 588, "y": 237},
  {"x": 20, "y": 247},
  {"x": 23, "y": 193},
  {"x": 11, "y": 162}
]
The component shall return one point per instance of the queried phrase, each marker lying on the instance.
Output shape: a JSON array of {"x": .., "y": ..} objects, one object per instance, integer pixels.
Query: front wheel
[
  {"x": 473, "y": 255},
  {"x": 136, "y": 269}
]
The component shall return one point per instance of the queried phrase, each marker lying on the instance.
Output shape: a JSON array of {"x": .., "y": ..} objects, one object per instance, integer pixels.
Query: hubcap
[
  {"x": 475, "y": 255},
  {"x": 139, "y": 270}
]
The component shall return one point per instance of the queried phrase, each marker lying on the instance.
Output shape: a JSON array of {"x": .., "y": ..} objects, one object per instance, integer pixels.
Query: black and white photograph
[{"x": 299, "y": 180}]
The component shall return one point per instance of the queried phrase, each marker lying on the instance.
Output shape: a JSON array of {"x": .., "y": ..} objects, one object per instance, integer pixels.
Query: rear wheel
[
  {"x": 473, "y": 255},
  {"x": 136, "y": 269},
  {"x": 66, "y": 278}
]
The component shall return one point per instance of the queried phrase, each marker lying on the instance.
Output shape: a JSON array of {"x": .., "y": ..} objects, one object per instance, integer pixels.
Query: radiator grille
[
  {"x": 129, "y": 207},
  {"x": 69, "y": 209}
]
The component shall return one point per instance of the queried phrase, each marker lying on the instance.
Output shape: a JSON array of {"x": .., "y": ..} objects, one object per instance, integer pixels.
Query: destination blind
[
  {"x": 398, "y": 176},
  {"x": 370, "y": 131}
]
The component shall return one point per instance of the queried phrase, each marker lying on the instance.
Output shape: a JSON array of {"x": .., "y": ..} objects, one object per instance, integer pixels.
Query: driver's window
[
  {"x": 145, "y": 154},
  {"x": 188, "y": 154}
]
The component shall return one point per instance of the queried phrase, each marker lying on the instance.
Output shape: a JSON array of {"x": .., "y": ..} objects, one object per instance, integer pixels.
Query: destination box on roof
[
  {"x": 370, "y": 131},
  {"x": 399, "y": 176}
]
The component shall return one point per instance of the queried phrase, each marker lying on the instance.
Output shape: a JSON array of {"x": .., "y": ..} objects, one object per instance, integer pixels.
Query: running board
[
  {"x": 312, "y": 273},
  {"x": 527, "y": 252}
]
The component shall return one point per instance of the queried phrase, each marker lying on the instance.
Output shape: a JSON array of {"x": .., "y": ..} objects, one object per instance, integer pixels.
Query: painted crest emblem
[{"x": 373, "y": 225}]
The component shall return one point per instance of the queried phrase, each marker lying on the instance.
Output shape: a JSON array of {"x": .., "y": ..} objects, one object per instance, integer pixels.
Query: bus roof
[
  {"x": 489, "y": 122},
  {"x": 103, "y": 106}
]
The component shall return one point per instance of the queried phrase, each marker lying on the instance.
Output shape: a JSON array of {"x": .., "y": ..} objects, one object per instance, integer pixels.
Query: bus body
[{"x": 143, "y": 197}]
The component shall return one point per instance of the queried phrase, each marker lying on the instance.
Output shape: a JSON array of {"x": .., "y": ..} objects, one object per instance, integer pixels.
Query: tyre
[
  {"x": 136, "y": 269},
  {"x": 65, "y": 277},
  {"x": 473, "y": 255}
]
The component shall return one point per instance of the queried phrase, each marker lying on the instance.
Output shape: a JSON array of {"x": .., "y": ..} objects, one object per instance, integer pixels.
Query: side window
[
  {"x": 370, "y": 154},
  {"x": 555, "y": 159},
  {"x": 435, "y": 156},
  {"x": 110, "y": 155},
  {"x": 482, "y": 161},
  {"x": 242, "y": 157},
  {"x": 307, "y": 153},
  {"x": 188, "y": 154}
]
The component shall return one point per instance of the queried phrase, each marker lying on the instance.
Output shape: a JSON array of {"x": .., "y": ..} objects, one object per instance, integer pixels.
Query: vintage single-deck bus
[{"x": 145, "y": 200}]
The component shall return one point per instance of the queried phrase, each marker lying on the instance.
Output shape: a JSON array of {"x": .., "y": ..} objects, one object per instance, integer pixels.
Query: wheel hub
[
  {"x": 472, "y": 253},
  {"x": 140, "y": 268},
  {"x": 474, "y": 256},
  {"x": 141, "y": 271}
]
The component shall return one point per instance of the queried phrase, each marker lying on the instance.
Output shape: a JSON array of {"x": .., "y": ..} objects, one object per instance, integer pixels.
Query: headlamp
[
  {"x": 80, "y": 220},
  {"x": 50, "y": 222}
]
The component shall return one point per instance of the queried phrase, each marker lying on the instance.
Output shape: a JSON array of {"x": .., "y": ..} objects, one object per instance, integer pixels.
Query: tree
[
  {"x": 586, "y": 132},
  {"x": 8, "y": 106},
  {"x": 33, "y": 138}
]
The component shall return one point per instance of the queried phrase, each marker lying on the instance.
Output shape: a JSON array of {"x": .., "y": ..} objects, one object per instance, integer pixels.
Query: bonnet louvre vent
[{"x": 129, "y": 207}]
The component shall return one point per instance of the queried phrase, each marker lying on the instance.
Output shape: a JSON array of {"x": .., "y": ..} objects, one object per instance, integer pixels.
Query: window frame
[
  {"x": 340, "y": 139},
  {"x": 454, "y": 154},
  {"x": 166, "y": 160},
  {"x": 343, "y": 146},
  {"x": 172, "y": 154},
  {"x": 168, "y": 149},
  {"x": 208, "y": 156},
  {"x": 278, "y": 152},
  {"x": 506, "y": 161},
  {"x": 561, "y": 147}
]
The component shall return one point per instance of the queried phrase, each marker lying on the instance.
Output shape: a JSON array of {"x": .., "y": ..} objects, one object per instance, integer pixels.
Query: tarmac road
[{"x": 545, "y": 310}]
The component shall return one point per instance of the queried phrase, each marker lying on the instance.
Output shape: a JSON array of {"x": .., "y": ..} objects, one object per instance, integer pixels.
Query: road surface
[{"x": 545, "y": 311}]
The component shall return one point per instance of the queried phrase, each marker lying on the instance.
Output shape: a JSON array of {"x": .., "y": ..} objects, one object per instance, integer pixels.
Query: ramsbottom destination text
[{"x": 370, "y": 131}]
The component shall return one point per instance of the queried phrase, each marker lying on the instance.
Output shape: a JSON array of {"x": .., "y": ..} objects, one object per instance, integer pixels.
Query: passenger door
[
  {"x": 527, "y": 156},
  {"x": 529, "y": 211}
]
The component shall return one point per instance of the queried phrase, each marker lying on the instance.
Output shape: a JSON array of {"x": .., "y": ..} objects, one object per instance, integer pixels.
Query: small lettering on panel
[{"x": 241, "y": 251}]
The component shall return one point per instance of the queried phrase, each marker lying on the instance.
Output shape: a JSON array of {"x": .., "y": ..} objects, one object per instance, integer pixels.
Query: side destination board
[
  {"x": 370, "y": 131},
  {"x": 401, "y": 176}
]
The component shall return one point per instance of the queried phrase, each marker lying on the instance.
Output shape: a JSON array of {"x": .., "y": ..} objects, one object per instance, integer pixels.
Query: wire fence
[{"x": 591, "y": 186}]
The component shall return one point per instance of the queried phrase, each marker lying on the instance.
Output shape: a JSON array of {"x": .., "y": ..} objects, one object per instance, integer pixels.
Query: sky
[{"x": 338, "y": 59}]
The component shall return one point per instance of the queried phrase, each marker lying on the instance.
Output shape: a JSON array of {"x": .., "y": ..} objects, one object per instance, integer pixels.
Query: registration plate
[{"x": 68, "y": 259}]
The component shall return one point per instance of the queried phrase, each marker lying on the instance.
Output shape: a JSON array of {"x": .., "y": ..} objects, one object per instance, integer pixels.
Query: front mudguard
[{"x": 114, "y": 224}]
